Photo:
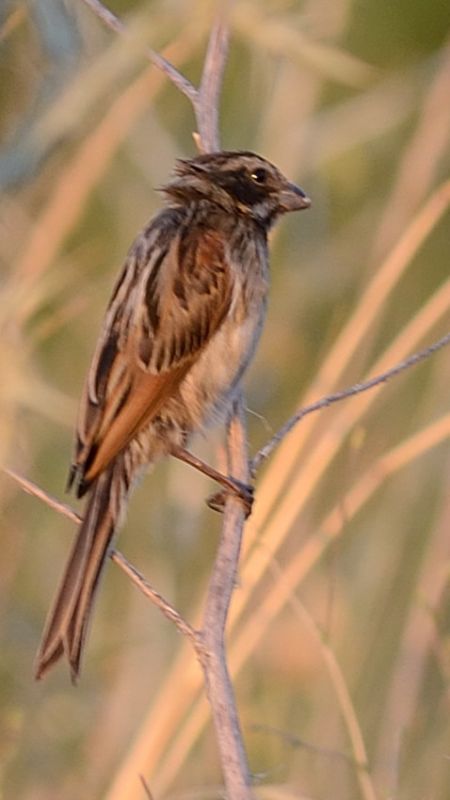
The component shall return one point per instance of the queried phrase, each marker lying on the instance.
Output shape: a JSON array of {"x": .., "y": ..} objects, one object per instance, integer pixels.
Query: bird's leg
[{"x": 217, "y": 501}]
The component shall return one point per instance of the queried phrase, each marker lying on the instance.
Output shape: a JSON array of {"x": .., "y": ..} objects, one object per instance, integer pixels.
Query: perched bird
[{"x": 180, "y": 329}]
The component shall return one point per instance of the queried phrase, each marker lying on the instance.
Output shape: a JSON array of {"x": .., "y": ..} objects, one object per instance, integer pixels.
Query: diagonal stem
[
  {"x": 129, "y": 569},
  {"x": 357, "y": 388},
  {"x": 116, "y": 24}
]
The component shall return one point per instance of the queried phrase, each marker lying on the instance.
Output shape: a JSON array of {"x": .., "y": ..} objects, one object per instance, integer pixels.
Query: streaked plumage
[{"x": 181, "y": 327}]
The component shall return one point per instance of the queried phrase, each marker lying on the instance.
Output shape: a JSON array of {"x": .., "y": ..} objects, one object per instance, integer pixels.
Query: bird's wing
[{"x": 171, "y": 298}]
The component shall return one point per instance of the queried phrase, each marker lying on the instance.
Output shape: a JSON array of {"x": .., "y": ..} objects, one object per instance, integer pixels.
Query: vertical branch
[
  {"x": 207, "y": 101},
  {"x": 222, "y": 583},
  {"x": 223, "y": 577}
]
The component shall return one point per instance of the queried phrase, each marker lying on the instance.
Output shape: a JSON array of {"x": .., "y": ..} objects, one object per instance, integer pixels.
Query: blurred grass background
[{"x": 339, "y": 638}]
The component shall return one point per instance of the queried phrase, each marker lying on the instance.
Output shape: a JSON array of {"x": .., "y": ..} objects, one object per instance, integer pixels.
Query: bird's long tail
[{"x": 68, "y": 619}]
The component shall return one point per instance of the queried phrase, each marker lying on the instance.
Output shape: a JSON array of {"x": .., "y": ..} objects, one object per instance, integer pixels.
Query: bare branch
[
  {"x": 207, "y": 104},
  {"x": 222, "y": 583},
  {"x": 205, "y": 100},
  {"x": 116, "y": 24},
  {"x": 357, "y": 388},
  {"x": 130, "y": 571},
  {"x": 213, "y": 658},
  {"x": 33, "y": 489},
  {"x": 156, "y": 598}
]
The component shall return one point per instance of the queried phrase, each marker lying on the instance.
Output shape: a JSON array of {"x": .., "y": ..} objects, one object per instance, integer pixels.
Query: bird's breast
[{"x": 209, "y": 386}]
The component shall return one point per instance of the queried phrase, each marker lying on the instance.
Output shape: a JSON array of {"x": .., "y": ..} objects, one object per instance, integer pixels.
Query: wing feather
[{"x": 173, "y": 295}]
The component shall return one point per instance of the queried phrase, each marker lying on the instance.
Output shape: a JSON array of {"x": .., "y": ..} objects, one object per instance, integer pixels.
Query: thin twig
[
  {"x": 32, "y": 488},
  {"x": 135, "y": 576},
  {"x": 174, "y": 75},
  {"x": 357, "y": 388},
  {"x": 146, "y": 788},
  {"x": 295, "y": 741},
  {"x": 156, "y": 598}
]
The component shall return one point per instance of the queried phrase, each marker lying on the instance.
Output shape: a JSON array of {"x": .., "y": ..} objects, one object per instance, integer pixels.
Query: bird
[{"x": 181, "y": 327}]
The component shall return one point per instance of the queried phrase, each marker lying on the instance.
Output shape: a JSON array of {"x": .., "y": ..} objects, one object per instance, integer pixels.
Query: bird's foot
[{"x": 245, "y": 492}]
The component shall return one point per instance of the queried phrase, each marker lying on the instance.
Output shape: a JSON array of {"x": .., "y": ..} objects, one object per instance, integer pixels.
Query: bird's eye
[{"x": 259, "y": 175}]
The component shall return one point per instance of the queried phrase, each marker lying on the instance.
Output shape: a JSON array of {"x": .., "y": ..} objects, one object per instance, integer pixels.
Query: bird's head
[{"x": 239, "y": 182}]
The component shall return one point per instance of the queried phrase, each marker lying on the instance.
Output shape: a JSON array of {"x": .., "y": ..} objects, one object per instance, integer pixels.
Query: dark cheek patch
[{"x": 246, "y": 191}]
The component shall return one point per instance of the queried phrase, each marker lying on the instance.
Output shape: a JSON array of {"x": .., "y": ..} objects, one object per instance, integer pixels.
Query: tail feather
[{"x": 67, "y": 622}]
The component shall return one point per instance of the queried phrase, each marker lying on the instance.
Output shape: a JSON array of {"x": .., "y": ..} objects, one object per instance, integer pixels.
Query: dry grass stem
[
  {"x": 78, "y": 179},
  {"x": 415, "y": 174},
  {"x": 332, "y": 527},
  {"x": 340, "y": 688},
  {"x": 419, "y": 637}
]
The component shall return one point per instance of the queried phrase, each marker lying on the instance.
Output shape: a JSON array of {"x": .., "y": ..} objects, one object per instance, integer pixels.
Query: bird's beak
[{"x": 292, "y": 198}]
